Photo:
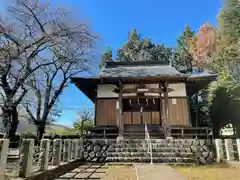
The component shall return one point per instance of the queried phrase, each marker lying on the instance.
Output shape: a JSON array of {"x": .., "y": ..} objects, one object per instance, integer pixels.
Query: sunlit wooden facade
[{"x": 137, "y": 93}]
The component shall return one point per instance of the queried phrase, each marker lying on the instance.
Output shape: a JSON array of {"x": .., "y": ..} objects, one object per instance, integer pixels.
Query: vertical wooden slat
[
  {"x": 147, "y": 117},
  {"x": 136, "y": 118},
  {"x": 106, "y": 113},
  {"x": 127, "y": 118},
  {"x": 178, "y": 113},
  {"x": 155, "y": 117}
]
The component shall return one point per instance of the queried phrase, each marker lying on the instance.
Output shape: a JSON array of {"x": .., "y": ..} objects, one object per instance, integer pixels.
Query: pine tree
[
  {"x": 138, "y": 49},
  {"x": 183, "y": 56},
  {"x": 106, "y": 57}
]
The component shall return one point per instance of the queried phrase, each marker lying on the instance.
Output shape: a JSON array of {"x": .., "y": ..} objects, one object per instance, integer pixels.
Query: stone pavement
[
  {"x": 156, "y": 172},
  {"x": 86, "y": 172},
  {"x": 143, "y": 172}
]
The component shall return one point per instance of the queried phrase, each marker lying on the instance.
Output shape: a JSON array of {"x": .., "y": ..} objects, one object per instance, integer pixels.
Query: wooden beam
[
  {"x": 121, "y": 123},
  {"x": 148, "y": 90},
  {"x": 166, "y": 108}
]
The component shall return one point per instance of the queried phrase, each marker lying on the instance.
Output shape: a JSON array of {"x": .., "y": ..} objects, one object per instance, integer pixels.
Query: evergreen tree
[
  {"x": 138, "y": 49},
  {"x": 229, "y": 21},
  {"x": 183, "y": 56},
  {"x": 106, "y": 57}
]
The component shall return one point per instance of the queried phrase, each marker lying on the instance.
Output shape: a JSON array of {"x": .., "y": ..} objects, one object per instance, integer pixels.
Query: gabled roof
[
  {"x": 139, "y": 69},
  {"x": 135, "y": 72}
]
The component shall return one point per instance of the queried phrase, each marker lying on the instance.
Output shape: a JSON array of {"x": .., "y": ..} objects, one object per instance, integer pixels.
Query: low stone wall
[
  {"x": 163, "y": 150},
  {"x": 201, "y": 150},
  {"x": 95, "y": 150}
]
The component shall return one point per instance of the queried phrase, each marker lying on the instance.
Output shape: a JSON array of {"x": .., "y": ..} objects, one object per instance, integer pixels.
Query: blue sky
[{"x": 163, "y": 21}]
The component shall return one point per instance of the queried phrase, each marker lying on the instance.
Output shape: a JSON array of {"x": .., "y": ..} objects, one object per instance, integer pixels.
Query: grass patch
[{"x": 211, "y": 172}]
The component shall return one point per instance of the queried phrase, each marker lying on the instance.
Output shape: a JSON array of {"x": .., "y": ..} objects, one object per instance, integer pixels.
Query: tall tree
[
  {"x": 183, "y": 56},
  {"x": 226, "y": 57},
  {"x": 203, "y": 46},
  {"x": 49, "y": 87},
  {"x": 139, "y": 49},
  {"x": 34, "y": 29}
]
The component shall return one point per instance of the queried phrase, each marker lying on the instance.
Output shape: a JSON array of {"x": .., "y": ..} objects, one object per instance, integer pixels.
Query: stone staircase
[
  {"x": 163, "y": 151},
  {"x": 132, "y": 131}
]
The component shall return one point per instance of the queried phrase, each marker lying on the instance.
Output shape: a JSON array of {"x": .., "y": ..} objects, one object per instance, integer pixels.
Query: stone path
[
  {"x": 156, "y": 172},
  {"x": 143, "y": 172},
  {"x": 87, "y": 172}
]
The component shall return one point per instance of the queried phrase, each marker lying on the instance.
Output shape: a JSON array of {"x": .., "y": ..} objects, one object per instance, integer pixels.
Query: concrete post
[
  {"x": 67, "y": 150},
  {"x": 229, "y": 149},
  {"x": 57, "y": 150},
  {"x": 79, "y": 148},
  {"x": 219, "y": 152},
  {"x": 44, "y": 153},
  {"x": 4, "y": 143},
  {"x": 27, "y": 158},
  {"x": 70, "y": 151},
  {"x": 74, "y": 149},
  {"x": 238, "y": 148}
]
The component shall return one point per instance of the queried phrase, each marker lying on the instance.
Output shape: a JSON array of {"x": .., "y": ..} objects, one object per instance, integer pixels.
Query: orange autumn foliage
[{"x": 203, "y": 45}]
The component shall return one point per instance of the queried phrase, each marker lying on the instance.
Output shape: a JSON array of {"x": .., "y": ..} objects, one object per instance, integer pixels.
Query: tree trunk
[
  {"x": 10, "y": 120},
  {"x": 216, "y": 131},
  {"x": 40, "y": 131}
]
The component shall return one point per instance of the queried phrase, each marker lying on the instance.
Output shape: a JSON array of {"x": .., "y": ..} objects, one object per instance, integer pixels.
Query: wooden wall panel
[
  {"x": 106, "y": 113},
  {"x": 127, "y": 117},
  {"x": 147, "y": 118},
  {"x": 156, "y": 118},
  {"x": 136, "y": 119},
  {"x": 178, "y": 113}
]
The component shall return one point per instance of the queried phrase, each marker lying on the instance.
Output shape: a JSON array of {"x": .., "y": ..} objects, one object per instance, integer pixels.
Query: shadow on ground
[{"x": 85, "y": 172}]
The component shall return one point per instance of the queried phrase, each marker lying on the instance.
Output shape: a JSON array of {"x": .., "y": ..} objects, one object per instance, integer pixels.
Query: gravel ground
[
  {"x": 215, "y": 172},
  {"x": 114, "y": 172}
]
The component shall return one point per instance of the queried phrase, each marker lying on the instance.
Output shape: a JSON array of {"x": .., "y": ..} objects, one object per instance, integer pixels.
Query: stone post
[
  {"x": 27, "y": 158},
  {"x": 74, "y": 149},
  {"x": 229, "y": 149},
  {"x": 44, "y": 153},
  {"x": 70, "y": 150},
  {"x": 79, "y": 148},
  {"x": 4, "y": 143},
  {"x": 238, "y": 148},
  {"x": 219, "y": 151},
  {"x": 67, "y": 150},
  {"x": 57, "y": 150}
]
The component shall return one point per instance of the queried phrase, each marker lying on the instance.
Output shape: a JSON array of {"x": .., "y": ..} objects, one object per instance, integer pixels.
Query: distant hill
[{"x": 25, "y": 126}]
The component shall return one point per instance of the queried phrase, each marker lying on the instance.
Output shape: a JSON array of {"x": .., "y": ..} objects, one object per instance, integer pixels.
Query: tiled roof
[{"x": 137, "y": 70}]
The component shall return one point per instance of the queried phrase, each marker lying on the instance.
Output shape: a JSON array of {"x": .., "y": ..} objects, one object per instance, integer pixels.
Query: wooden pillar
[
  {"x": 166, "y": 107},
  {"x": 121, "y": 123}
]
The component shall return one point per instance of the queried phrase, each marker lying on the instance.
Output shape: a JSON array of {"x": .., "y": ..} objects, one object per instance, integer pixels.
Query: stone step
[
  {"x": 141, "y": 149},
  {"x": 155, "y": 160},
  {"x": 146, "y": 154}
]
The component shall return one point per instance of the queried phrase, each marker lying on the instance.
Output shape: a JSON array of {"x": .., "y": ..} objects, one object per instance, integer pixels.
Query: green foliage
[
  {"x": 229, "y": 21},
  {"x": 183, "y": 57},
  {"x": 84, "y": 123},
  {"x": 27, "y": 135},
  {"x": 107, "y": 56},
  {"x": 223, "y": 97},
  {"x": 138, "y": 49}
]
